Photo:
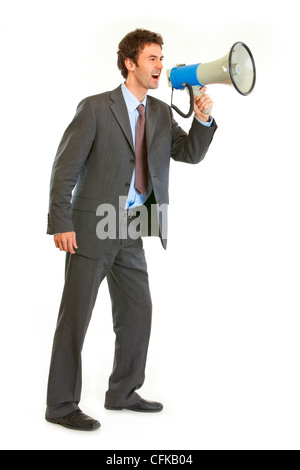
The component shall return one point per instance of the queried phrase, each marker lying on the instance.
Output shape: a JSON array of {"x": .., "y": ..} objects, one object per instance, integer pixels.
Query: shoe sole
[
  {"x": 131, "y": 409},
  {"x": 56, "y": 421}
]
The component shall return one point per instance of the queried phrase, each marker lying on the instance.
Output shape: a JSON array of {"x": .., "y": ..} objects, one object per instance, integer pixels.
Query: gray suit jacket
[{"x": 96, "y": 157}]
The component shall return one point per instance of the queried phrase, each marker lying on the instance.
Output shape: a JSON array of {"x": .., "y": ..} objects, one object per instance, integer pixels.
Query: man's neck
[{"x": 138, "y": 92}]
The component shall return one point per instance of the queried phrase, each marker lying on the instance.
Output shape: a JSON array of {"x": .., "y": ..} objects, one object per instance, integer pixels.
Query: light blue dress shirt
[{"x": 134, "y": 199}]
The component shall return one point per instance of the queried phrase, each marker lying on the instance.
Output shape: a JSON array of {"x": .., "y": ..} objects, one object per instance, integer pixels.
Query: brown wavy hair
[{"x": 132, "y": 45}]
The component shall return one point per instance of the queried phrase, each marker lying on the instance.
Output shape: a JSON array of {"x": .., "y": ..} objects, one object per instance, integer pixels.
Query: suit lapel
[
  {"x": 120, "y": 112},
  {"x": 152, "y": 112}
]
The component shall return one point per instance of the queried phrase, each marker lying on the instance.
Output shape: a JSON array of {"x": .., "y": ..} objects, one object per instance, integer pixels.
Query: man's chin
[{"x": 153, "y": 86}]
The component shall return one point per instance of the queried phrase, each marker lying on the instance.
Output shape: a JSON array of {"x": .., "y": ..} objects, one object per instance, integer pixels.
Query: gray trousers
[{"x": 126, "y": 272}]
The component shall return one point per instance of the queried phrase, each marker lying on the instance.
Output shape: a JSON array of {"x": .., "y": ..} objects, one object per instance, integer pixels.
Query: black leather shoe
[
  {"x": 77, "y": 421},
  {"x": 141, "y": 405}
]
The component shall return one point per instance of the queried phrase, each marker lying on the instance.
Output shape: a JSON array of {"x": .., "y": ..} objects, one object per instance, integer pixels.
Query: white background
[{"x": 224, "y": 352}]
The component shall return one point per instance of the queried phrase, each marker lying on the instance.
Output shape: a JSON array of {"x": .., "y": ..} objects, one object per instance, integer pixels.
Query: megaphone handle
[{"x": 197, "y": 92}]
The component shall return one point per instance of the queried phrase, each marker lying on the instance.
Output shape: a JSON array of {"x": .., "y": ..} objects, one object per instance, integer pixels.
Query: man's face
[{"x": 147, "y": 73}]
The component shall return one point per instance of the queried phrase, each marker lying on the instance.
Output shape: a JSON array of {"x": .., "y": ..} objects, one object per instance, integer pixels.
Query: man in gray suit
[{"x": 115, "y": 155}]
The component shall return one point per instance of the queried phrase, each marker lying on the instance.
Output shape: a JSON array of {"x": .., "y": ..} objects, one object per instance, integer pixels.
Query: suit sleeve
[
  {"x": 191, "y": 147},
  {"x": 72, "y": 153}
]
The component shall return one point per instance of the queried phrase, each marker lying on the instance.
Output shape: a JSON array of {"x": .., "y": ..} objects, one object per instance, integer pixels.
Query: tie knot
[{"x": 141, "y": 109}]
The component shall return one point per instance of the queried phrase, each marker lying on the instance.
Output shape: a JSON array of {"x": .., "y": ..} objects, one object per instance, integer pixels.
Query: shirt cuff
[{"x": 206, "y": 124}]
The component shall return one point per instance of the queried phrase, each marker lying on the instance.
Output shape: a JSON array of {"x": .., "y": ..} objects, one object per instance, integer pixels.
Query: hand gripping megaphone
[{"x": 236, "y": 68}]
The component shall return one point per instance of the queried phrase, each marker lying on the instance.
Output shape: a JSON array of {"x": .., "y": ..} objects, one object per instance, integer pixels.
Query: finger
[
  {"x": 70, "y": 247},
  {"x": 64, "y": 245},
  {"x": 74, "y": 241},
  {"x": 207, "y": 103},
  {"x": 204, "y": 99},
  {"x": 71, "y": 244},
  {"x": 199, "y": 108},
  {"x": 200, "y": 101},
  {"x": 58, "y": 243}
]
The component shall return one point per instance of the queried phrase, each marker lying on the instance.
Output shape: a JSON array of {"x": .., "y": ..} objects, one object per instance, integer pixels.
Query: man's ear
[{"x": 129, "y": 64}]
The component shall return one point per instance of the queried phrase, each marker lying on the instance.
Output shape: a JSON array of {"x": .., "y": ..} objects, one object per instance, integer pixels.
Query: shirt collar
[{"x": 131, "y": 101}]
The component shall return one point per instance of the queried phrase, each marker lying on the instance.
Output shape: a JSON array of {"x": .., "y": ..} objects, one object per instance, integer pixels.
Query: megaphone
[{"x": 236, "y": 68}]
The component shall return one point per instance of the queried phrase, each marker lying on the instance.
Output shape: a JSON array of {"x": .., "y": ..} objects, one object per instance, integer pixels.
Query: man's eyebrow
[{"x": 152, "y": 56}]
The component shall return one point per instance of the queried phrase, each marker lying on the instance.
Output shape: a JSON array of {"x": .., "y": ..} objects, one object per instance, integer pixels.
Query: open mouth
[{"x": 155, "y": 76}]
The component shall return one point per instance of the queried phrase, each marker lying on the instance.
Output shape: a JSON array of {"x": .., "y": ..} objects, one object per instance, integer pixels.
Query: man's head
[{"x": 133, "y": 44}]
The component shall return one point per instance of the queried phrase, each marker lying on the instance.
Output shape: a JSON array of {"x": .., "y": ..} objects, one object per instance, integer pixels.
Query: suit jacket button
[{"x": 132, "y": 161}]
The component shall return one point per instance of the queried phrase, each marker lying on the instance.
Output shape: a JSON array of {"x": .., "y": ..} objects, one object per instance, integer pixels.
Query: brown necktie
[{"x": 141, "y": 164}]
